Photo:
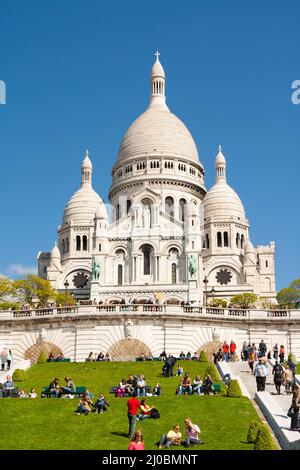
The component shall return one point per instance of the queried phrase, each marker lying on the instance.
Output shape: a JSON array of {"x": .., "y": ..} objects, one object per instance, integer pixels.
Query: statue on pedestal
[
  {"x": 95, "y": 269},
  {"x": 192, "y": 264}
]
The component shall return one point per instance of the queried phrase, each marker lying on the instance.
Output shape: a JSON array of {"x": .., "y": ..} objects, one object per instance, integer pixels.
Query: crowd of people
[
  {"x": 187, "y": 386},
  {"x": 101, "y": 357}
]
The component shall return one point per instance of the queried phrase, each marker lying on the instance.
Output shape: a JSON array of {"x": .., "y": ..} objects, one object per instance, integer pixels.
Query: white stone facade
[{"x": 160, "y": 219}]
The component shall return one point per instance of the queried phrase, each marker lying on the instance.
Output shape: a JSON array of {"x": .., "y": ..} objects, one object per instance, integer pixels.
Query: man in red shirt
[
  {"x": 232, "y": 348},
  {"x": 132, "y": 406}
]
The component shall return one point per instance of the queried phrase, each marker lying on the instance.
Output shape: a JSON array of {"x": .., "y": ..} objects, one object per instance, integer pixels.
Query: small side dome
[
  {"x": 101, "y": 212},
  {"x": 220, "y": 159},
  {"x": 55, "y": 253},
  {"x": 157, "y": 69}
]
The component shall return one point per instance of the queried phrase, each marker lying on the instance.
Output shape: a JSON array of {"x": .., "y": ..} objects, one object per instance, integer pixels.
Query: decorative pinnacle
[
  {"x": 220, "y": 148},
  {"x": 86, "y": 153}
]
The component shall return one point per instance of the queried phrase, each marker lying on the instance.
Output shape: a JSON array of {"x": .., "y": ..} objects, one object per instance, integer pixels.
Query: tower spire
[
  {"x": 220, "y": 167},
  {"x": 86, "y": 170},
  {"x": 158, "y": 79}
]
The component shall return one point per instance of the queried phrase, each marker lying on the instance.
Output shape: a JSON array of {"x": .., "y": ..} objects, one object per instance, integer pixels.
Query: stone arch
[
  {"x": 35, "y": 350},
  {"x": 127, "y": 350},
  {"x": 210, "y": 348}
]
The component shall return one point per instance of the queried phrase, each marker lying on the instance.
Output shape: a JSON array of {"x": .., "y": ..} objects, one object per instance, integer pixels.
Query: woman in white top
[
  {"x": 197, "y": 385},
  {"x": 192, "y": 433}
]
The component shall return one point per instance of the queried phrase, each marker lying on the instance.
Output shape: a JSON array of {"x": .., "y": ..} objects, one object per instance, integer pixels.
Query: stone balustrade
[{"x": 136, "y": 309}]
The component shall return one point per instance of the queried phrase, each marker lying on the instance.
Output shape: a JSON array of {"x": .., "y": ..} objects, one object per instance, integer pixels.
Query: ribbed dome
[
  {"x": 158, "y": 131},
  {"x": 82, "y": 205},
  {"x": 222, "y": 201}
]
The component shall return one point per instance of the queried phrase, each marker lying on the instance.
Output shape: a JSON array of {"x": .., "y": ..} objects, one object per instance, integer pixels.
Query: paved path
[{"x": 242, "y": 369}]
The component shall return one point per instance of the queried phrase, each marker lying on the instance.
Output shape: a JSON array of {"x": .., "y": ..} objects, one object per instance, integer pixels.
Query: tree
[
  {"x": 264, "y": 440},
  {"x": 63, "y": 299},
  {"x": 34, "y": 286},
  {"x": 245, "y": 300},
  {"x": 222, "y": 303},
  {"x": 234, "y": 389},
  {"x": 6, "y": 287}
]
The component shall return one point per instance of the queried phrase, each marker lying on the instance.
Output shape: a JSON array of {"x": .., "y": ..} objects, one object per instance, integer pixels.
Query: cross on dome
[{"x": 157, "y": 54}]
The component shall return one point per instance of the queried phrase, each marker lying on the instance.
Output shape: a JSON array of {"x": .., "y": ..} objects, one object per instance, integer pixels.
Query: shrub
[
  {"x": 234, "y": 389},
  {"x": 254, "y": 427},
  {"x": 19, "y": 375},
  {"x": 212, "y": 371},
  {"x": 223, "y": 391},
  {"x": 203, "y": 357},
  {"x": 264, "y": 440},
  {"x": 221, "y": 303},
  {"x": 42, "y": 358},
  {"x": 9, "y": 306}
]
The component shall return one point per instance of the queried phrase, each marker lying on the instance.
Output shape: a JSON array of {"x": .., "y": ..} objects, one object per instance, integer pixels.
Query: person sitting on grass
[
  {"x": 22, "y": 393},
  {"x": 107, "y": 357},
  {"x": 185, "y": 385},
  {"x": 101, "y": 404},
  {"x": 70, "y": 389},
  {"x": 91, "y": 357},
  {"x": 145, "y": 411},
  {"x": 8, "y": 386},
  {"x": 195, "y": 356},
  {"x": 137, "y": 441},
  {"x": 173, "y": 438},
  {"x": 197, "y": 385},
  {"x": 130, "y": 385},
  {"x": 32, "y": 393},
  {"x": 54, "y": 388},
  {"x": 121, "y": 390},
  {"x": 189, "y": 356},
  {"x": 182, "y": 355},
  {"x": 192, "y": 433},
  {"x": 141, "y": 386},
  {"x": 207, "y": 385},
  {"x": 100, "y": 357},
  {"x": 84, "y": 406},
  {"x": 179, "y": 371},
  {"x": 156, "y": 390}
]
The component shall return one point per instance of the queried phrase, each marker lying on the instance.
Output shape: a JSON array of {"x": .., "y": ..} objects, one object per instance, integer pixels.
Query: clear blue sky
[{"x": 77, "y": 75}]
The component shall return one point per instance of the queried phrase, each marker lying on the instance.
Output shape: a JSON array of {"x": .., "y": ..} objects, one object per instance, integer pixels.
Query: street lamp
[
  {"x": 66, "y": 284},
  {"x": 205, "y": 280}
]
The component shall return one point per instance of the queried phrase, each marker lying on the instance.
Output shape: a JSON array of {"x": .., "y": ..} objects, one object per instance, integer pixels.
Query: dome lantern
[
  {"x": 86, "y": 170},
  {"x": 220, "y": 167},
  {"x": 158, "y": 79}
]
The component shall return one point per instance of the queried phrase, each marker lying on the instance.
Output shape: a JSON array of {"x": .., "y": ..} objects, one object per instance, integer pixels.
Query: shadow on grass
[{"x": 122, "y": 434}]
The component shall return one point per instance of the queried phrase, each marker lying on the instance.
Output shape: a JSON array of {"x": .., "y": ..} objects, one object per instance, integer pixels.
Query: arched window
[
  {"x": 120, "y": 275},
  {"x": 207, "y": 241},
  {"x": 169, "y": 206},
  {"x": 174, "y": 273},
  {"x": 237, "y": 240},
  {"x": 118, "y": 212},
  {"x": 63, "y": 246},
  {"x": 219, "y": 240},
  {"x": 226, "y": 242},
  {"x": 146, "y": 250},
  {"x": 128, "y": 205},
  {"x": 267, "y": 264},
  {"x": 182, "y": 209},
  {"x": 242, "y": 241},
  {"x": 78, "y": 243},
  {"x": 84, "y": 243}
]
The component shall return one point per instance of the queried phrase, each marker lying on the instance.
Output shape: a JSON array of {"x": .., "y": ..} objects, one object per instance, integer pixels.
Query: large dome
[{"x": 158, "y": 131}]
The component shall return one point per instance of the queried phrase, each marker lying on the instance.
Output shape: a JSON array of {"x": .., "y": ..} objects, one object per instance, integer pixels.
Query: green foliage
[
  {"x": 19, "y": 375},
  {"x": 264, "y": 440},
  {"x": 245, "y": 300},
  {"x": 34, "y": 286},
  {"x": 221, "y": 303},
  {"x": 63, "y": 299},
  {"x": 212, "y": 371},
  {"x": 42, "y": 358},
  {"x": 223, "y": 391},
  {"x": 234, "y": 389},
  {"x": 9, "y": 306},
  {"x": 253, "y": 431},
  {"x": 6, "y": 287},
  {"x": 288, "y": 296},
  {"x": 203, "y": 357}
]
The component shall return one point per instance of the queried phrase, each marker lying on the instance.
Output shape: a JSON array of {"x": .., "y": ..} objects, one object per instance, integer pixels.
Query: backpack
[{"x": 154, "y": 413}]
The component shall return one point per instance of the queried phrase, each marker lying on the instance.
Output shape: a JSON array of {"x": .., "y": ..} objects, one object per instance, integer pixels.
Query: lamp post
[
  {"x": 66, "y": 284},
  {"x": 205, "y": 280},
  {"x": 213, "y": 291}
]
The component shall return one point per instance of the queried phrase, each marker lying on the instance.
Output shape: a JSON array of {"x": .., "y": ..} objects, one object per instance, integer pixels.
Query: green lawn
[{"x": 52, "y": 423}]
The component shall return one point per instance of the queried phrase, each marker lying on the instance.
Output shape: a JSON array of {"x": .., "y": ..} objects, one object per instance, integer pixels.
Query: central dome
[{"x": 158, "y": 131}]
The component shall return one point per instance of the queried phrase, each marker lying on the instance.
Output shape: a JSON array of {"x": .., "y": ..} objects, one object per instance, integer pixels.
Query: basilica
[{"x": 164, "y": 237}]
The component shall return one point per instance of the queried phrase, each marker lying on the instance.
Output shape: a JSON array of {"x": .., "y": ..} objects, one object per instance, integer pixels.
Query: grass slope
[{"x": 52, "y": 423}]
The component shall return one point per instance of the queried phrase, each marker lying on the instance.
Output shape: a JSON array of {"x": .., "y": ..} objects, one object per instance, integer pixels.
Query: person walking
[
  {"x": 225, "y": 351},
  {"x": 262, "y": 348},
  {"x": 244, "y": 351},
  {"x": 232, "y": 349},
  {"x": 281, "y": 353},
  {"x": 251, "y": 360},
  {"x": 287, "y": 379},
  {"x": 275, "y": 351},
  {"x": 9, "y": 359},
  {"x": 277, "y": 373},
  {"x": 261, "y": 372},
  {"x": 3, "y": 357},
  {"x": 132, "y": 406}
]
